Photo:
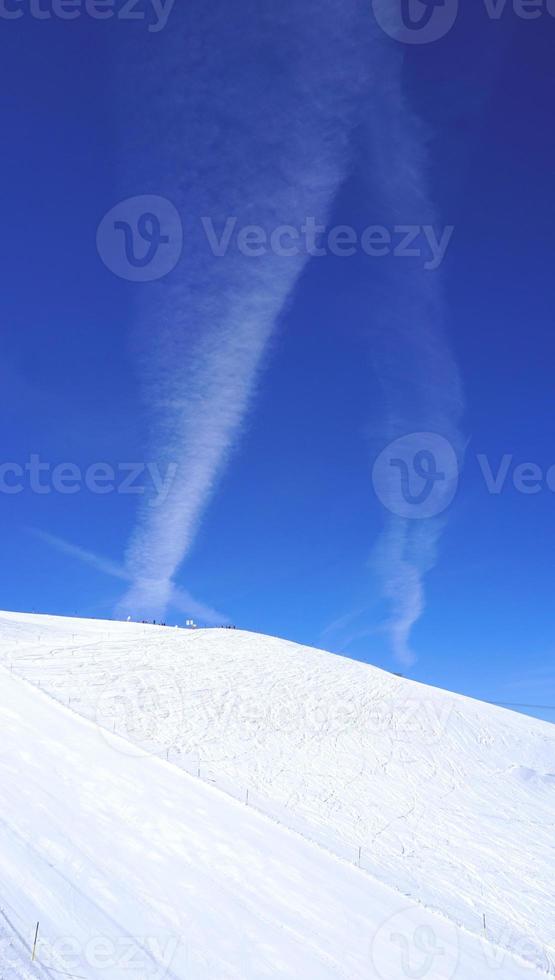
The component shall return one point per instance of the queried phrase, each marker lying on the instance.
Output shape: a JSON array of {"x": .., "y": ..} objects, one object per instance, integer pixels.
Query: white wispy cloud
[
  {"x": 104, "y": 565},
  {"x": 180, "y": 600},
  {"x": 253, "y": 122},
  {"x": 417, "y": 377},
  {"x": 401, "y": 558}
]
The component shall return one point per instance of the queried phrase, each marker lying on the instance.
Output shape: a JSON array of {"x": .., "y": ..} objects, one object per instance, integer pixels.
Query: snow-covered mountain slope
[
  {"x": 134, "y": 869},
  {"x": 449, "y": 801}
]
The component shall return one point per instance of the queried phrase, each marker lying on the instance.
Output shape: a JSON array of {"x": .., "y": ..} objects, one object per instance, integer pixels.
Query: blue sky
[{"x": 273, "y": 383}]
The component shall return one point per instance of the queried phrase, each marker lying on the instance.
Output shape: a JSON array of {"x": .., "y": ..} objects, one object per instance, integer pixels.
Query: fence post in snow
[
  {"x": 247, "y": 798},
  {"x": 484, "y": 921},
  {"x": 359, "y": 855},
  {"x": 35, "y": 943}
]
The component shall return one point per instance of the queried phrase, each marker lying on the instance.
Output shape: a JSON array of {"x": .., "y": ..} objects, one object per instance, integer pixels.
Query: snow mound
[
  {"x": 134, "y": 869},
  {"x": 447, "y": 800}
]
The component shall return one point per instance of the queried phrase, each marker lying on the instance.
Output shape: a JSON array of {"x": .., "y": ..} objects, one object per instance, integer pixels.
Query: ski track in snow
[{"x": 451, "y": 801}]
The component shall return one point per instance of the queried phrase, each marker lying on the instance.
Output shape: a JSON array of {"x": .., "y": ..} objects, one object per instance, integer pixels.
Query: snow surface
[{"x": 148, "y": 871}]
